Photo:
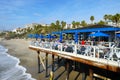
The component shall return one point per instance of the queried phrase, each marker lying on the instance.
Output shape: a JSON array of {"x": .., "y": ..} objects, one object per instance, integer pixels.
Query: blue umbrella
[
  {"x": 49, "y": 36},
  {"x": 99, "y": 34},
  {"x": 41, "y": 36},
  {"x": 30, "y": 35},
  {"x": 52, "y": 36},
  {"x": 36, "y": 36}
]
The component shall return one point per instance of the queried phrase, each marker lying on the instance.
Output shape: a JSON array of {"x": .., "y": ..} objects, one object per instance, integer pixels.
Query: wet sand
[{"x": 28, "y": 59}]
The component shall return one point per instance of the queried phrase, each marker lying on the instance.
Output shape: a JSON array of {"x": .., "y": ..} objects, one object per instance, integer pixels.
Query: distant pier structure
[{"x": 94, "y": 60}]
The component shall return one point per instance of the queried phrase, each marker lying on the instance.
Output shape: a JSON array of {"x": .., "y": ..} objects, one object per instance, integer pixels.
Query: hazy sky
[{"x": 17, "y": 13}]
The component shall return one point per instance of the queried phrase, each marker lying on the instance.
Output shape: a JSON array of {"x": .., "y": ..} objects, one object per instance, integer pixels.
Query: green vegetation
[
  {"x": 101, "y": 22},
  {"x": 58, "y": 26},
  {"x": 2, "y": 34},
  {"x": 92, "y": 19},
  {"x": 83, "y": 23}
]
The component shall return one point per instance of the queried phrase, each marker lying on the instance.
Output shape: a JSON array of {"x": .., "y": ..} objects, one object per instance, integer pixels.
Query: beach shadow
[
  {"x": 59, "y": 75},
  {"x": 60, "y": 64},
  {"x": 41, "y": 71},
  {"x": 77, "y": 76}
]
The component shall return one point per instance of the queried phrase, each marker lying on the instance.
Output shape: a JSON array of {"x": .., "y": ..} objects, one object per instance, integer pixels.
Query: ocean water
[{"x": 10, "y": 68}]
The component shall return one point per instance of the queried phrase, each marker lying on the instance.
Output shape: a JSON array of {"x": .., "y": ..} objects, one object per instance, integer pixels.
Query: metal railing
[{"x": 100, "y": 52}]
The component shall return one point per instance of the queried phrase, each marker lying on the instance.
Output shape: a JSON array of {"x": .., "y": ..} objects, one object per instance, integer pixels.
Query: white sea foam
[{"x": 10, "y": 68}]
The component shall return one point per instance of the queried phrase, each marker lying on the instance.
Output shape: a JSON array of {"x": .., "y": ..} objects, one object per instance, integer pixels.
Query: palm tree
[
  {"x": 29, "y": 30},
  {"x": 110, "y": 17},
  {"x": 92, "y": 19},
  {"x": 37, "y": 29},
  {"x": 73, "y": 24},
  {"x": 58, "y": 27},
  {"x": 106, "y": 18},
  {"x": 63, "y": 24},
  {"x": 53, "y": 27},
  {"x": 46, "y": 30},
  {"x": 116, "y": 19},
  {"x": 57, "y": 22},
  {"x": 77, "y": 24}
]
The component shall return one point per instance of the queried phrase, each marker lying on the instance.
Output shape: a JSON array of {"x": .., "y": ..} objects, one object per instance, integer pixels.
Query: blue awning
[
  {"x": 61, "y": 37},
  {"x": 99, "y": 34},
  {"x": 118, "y": 35},
  {"x": 102, "y": 29},
  {"x": 76, "y": 37}
]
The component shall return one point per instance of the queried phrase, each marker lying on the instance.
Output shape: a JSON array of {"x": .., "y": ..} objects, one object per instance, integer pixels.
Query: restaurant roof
[{"x": 92, "y": 28}]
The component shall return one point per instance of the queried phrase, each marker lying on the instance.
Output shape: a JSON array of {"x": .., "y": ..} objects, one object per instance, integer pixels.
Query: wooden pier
[{"x": 89, "y": 65}]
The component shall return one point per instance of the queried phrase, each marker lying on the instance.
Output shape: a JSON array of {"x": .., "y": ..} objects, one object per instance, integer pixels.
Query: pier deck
[
  {"x": 100, "y": 63},
  {"x": 113, "y": 67}
]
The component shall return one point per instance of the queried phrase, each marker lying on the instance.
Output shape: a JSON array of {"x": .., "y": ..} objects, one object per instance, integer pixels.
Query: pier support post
[
  {"x": 91, "y": 74},
  {"x": 67, "y": 69},
  {"x": 53, "y": 63},
  {"x": 38, "y": 62},
  {"x": 52, "y": 72},
  {"x": 46, "y": 74},
  {"x": 58, "y": 61},
  {"x": 84, "y": 70}
]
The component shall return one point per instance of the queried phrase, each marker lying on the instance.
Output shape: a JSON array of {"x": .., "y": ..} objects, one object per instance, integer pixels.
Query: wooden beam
[
  {"x": 38, "y": 62},
  {"x": 42, "y": 62},
  {"x": 51, "y": 76},
  {"x": 91, "y": 74},
  {"x": 67, "y": 69},
  {"x": 46, "y": 74},
  {"x": 52, "y": 72},
  {"x": 58, "y": 61}
]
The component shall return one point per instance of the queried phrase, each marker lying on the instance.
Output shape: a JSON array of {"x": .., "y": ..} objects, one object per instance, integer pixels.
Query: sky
[{"x": 17, "y": 13}]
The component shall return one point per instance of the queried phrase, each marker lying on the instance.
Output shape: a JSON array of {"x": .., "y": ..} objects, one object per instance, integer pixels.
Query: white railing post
[
  {"x": 42, "y": 44},
  {"x": 94, "y": 52},
  {"x": 92, "y": 43},
  {"x": 98, "y": 52},
  {"x": 61, "y": 47},
  {"x": 75, "y": 46},
  {"x": 51, "y": 44},
  {"x": 115, "y": 49},
  {"x": 112, "y": 54},
  {"x": 109, "y": 44}
]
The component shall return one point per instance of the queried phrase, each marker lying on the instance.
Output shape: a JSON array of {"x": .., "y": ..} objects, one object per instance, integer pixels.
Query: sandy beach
[{"x": 28, "y": 59}]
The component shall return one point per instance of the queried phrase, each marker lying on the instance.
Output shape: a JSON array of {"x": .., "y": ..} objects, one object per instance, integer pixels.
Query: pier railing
[{"x": 97, "y": 52}]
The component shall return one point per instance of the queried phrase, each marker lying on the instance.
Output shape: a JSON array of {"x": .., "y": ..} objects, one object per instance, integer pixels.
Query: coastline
[{"x": 19, "y": 48}]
